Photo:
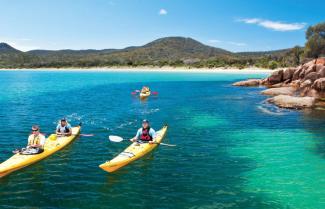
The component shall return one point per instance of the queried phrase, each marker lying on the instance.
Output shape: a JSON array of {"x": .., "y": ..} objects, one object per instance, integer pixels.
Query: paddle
[
  {"x": 87, "y": 135},
  {"x": 138, "y": 91},
  {"x": 16, "y": 151},
  {"x": 135, "y": 92},
  {"x": 115, "y": 138},
  {"x": 120, "y": 139}
]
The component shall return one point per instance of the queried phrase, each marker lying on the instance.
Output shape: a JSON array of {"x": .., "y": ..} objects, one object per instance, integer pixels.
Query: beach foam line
[{"x": 152, "y": 69}]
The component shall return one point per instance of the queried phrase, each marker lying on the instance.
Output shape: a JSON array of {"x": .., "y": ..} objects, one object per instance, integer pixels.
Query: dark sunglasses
[{"x": 34, "y": 130}]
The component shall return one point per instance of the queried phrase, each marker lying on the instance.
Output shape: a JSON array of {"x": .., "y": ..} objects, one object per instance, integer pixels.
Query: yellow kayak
[
  {"x": 133, "y": 152},
  {"x": 144, "y": 95},
  {"x": 52, "y": 145}
]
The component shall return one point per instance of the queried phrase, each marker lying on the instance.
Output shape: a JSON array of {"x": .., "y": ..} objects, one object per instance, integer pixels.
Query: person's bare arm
[
  {"x": 69, "y": 133},
  {"x": 134, "y": 139},
  {"x": 58, "y": 133}
]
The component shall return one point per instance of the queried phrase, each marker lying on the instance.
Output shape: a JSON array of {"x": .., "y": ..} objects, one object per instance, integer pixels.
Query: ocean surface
[{"x": 233, "y": 149}]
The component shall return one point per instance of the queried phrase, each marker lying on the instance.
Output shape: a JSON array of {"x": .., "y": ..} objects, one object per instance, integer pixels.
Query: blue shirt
[{"x": 152, "y": 133}]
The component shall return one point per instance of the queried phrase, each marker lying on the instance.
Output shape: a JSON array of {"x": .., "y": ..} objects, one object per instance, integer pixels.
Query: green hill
[{"x": 171, "y": 51}]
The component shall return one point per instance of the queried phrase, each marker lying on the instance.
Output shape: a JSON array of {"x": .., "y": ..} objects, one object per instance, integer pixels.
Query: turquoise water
[{"x": 233, "y": 150}]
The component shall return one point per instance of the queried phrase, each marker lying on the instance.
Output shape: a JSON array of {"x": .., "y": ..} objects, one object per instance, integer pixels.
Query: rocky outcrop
[
  {"x": 296, "y": 74},
  {"x": 249, "y": 82},
  {"x": 319, "y": 84},
  {"x": 287, "y": 101},
  {"x": 276, "y": 77},
  {"x": 288, "y": 73},
  {"x": 321, "y": 72},
  {"x": 279, "y": 91},
  {"x": 311, "y": 76},
  {"x": 298, "y": 87},
  {"x": 320, "y": 61}
]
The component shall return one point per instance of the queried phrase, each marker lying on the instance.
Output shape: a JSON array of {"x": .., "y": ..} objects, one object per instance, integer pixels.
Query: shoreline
[{"x": 149, "y": 69}]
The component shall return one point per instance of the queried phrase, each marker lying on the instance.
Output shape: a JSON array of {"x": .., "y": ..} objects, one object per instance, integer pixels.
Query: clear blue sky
[{"x": 235, "y": 25}]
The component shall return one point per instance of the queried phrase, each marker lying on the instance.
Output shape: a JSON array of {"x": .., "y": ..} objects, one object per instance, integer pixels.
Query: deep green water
[{"x": 233, "y": 150}]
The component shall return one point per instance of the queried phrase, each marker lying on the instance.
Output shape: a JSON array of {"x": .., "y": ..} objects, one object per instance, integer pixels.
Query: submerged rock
[
  {"x": 249, "y": 82},
  {"x": 287, "y": 101},
  {"x": 279, "y": 91}
]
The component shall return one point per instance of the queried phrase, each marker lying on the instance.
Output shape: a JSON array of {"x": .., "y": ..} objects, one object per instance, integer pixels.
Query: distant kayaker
[
  {"x": 63, "y": 128},
  {"x": 145, "y": 133},
  {"x": 36, "y": 140},
  {"x": 145, "y": 89}
]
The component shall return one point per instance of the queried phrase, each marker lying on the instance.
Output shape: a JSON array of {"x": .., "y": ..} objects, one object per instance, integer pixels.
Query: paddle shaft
[
  {"x": 121, "y": 140},
  {"x": 164, "y": 144}
]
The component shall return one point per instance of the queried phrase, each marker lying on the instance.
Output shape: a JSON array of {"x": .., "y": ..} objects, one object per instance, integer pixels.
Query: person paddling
[
  {"x": 145, "y": 134},
  {"x": 145, "y": 89},
  {"x": 36, "y": 140},
  {"x": 63, "y": 128},
  {"x": 35, "y": 144}
]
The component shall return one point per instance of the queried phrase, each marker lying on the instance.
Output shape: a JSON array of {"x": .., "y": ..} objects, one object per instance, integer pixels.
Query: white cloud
[
  {"x": 237, "y": 43},
  {"x": 163, "y": 12},
  {"x": 274, "y": 25},
  {"x": 216, "y": 41}
]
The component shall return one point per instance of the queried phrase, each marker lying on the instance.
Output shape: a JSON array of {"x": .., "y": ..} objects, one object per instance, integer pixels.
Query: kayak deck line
[
  {"x": 136, "y": 149},
  {"x": 128, "y": 154},
  {"x": 52, "y": 145}
]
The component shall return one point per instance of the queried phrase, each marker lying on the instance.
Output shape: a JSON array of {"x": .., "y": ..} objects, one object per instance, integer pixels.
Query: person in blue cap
[{"x": 145, "y": 134}]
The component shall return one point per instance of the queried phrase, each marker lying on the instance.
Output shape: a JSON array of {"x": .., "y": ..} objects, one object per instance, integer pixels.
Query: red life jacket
[{"x": 145, "y": 136}]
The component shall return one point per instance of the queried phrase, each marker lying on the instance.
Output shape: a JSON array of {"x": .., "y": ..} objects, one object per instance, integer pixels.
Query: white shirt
[
  {"x": 62, "y": 129},
  {"x": 40, "y": 136}
]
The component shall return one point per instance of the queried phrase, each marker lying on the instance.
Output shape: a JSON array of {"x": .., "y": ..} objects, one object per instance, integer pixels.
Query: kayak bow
[{"x": 144, "y": 95}]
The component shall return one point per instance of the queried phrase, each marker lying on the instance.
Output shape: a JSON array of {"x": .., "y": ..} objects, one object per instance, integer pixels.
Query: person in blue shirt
[
  {"x": 145, "y": 134},
  {"x": 63, "y": 128}
]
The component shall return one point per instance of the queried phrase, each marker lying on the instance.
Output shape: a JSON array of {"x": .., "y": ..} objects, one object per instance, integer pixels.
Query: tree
[
  {"x": 273, "y": 64},
  {"x": 296, "y": 53},
  {"x": 315, "y": 45}
]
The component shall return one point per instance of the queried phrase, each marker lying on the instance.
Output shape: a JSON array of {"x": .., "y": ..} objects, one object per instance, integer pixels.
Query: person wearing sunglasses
[{"x": 36, "y": 140}]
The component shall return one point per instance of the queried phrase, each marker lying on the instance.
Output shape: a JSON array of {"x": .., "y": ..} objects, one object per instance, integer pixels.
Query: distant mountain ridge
[
  {"x": 4, "y": 47},
  {"x": 169, "y": 46},
  {"x": 173, "y": 51}
]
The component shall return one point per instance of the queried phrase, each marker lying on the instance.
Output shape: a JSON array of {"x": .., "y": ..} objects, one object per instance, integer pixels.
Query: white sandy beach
[{"x": 251, "y": 70}]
